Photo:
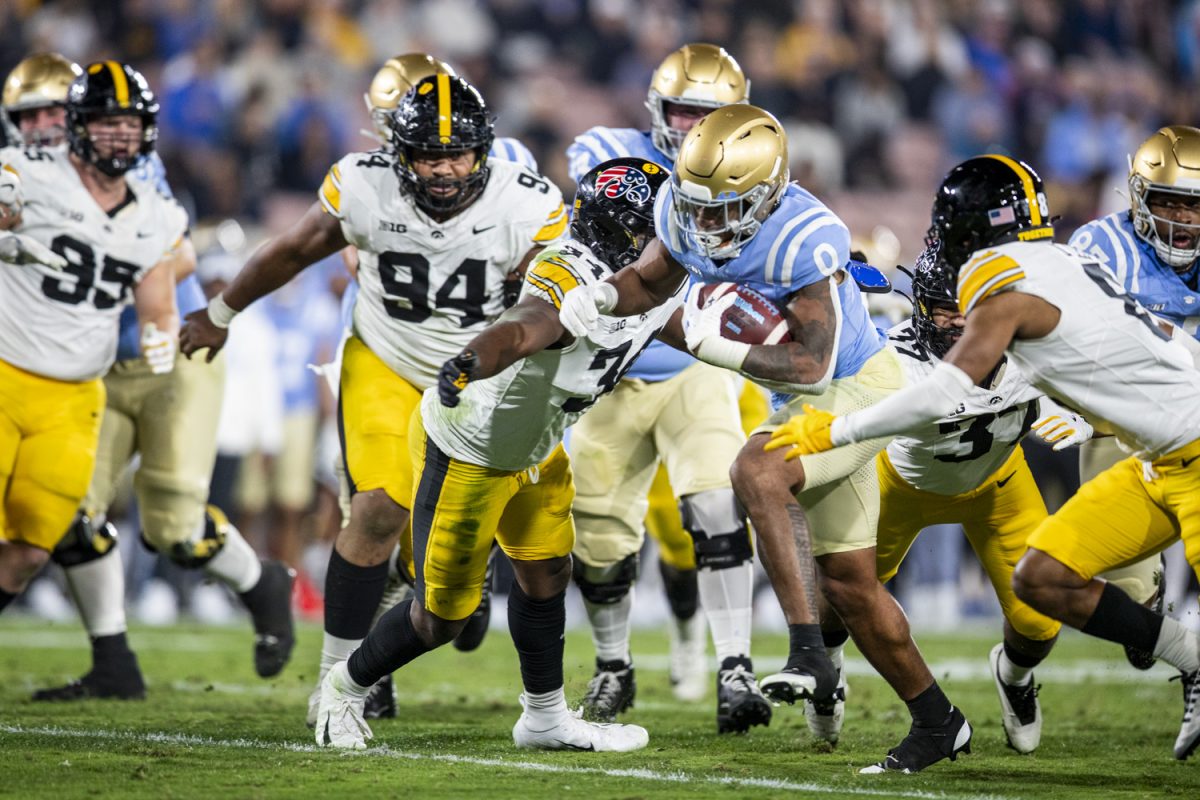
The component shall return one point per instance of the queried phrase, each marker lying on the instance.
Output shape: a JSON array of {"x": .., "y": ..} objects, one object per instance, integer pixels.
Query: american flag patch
[{"x": 1001, "y": 216}]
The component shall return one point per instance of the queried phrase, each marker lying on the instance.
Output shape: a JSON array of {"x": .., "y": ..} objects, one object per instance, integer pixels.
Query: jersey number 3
[
  {"x": 405, "y": 279},
  {"x": 106, "y": 290}
]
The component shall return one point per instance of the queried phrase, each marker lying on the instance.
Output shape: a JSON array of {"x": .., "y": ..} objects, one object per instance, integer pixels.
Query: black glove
[{"x": 455, "y": 375}]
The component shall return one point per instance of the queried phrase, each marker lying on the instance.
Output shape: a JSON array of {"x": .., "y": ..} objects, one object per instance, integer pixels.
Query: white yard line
[{"x": 769, "y": 784}]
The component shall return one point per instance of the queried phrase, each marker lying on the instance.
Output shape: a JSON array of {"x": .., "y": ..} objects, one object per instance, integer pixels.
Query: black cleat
[
  {"x": 808, "y": 675},
  {"x": 118, "y": 679},
  {"x": 381, "y": 701},
  {"x": 270, "y": 604},
  {"x": 610, "y": 691},
  {"x": 924, "y": 747},
  {"x": 471, "y": 636},
  {"x": 1141, "y": 659},
  {"x": 740, "y": 704}
]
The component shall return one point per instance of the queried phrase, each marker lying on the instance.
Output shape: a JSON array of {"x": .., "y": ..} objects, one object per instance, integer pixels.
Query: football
[{"x": 751, "y": 318}]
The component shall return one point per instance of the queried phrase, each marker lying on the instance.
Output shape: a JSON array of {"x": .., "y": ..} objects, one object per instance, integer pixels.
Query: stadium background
[{"x": 879, "y": 97}]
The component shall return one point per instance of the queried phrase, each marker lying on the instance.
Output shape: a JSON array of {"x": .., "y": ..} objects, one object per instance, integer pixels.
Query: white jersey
[
  {"x": 64, "y": 325},
  {"x": 514, "y": 420},
  {"x": 958, "y": 453},
  {"x": 427, "y": 287},
  {"x": 1105, "y": 357}
]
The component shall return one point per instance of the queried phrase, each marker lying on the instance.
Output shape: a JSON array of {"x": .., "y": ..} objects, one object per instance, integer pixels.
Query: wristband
[{"x": 219, "y": 312}]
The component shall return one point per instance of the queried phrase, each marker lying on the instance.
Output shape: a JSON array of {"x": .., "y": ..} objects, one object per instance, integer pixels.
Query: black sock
[
  {"x": 805, "y": 637},
  {"x": 1021, "y": 659},
  {"x": 682, "y": 588},
  {"x": 6, "y": 598},
  {"x": 1119, "y": 619},
  {"x": 108, "y": 649},
  {"x": 930, "y": 708},
  {"x": 537, "y": 628},
  {"x": 391, "y": 644},
  {"x": 834, "y": 638},
  {"x": 352, "y": 594}
]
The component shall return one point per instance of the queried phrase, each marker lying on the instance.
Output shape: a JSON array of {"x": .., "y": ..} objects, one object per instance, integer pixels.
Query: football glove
[
  {"x": 17, "y": 248},
  {"x": 1062, "y": 430},
  {"x": 455, "y": 375},
  {"x": 158, "y": 348},
  {"x": 806, "y": 434},
  {"x": 702, "y": 330},
  {"x": 583, "y": 305}
]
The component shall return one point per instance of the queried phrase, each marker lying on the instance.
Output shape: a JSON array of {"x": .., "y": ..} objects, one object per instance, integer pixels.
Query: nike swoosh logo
[
  {"x": 141, "y": 235},
  {"x": 1000, "y": 483},
  {"x": 478, "y": 229},
  {"x": 591, "y": 748},
  {"x": 1187, "y": 461}
]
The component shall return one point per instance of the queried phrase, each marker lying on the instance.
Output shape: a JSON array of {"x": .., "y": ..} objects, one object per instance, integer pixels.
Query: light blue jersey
[
  {"x": 188, "y": 294},
  {"x": 801, "y": 243},
  {"x": 1136, "y": 266},
  {"x": 660, "y": 361}
]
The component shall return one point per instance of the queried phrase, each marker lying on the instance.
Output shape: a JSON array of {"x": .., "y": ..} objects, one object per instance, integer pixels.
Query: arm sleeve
[
  {"x": 549, "y": 278},
  {"x": 914, "y": 406}
]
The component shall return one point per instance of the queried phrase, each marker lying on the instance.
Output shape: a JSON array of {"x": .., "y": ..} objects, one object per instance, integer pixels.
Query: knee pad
[
  {"x": 195, "y": 553},
  {"x": 718, "y": 528},
  {"x": 605, "y": 585},
  {"x": 85, "y": 541}
]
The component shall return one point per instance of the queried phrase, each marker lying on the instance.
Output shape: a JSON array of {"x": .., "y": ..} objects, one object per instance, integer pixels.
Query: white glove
[
  {"x": 583, "y": 305},
  {"x": 158, "y": 348},
  {"x": 1062, "y": 429},
  {"x": 702, "y": 330},
  {"x": 17, "y": 248},
  {"x": 12, "y": 196}
]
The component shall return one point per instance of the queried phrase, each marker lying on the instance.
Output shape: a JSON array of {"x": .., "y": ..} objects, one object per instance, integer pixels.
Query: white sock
[
  {"x": 1178, "y": 646},
  {"x": 1012, "y": 674},
  {"x": 335, "y": 649},
  {"x": 235, "y": 564},
  {"x": 610, "y": 628},
  {"x": 99, "y": 590},
  {"x": 727, "y": 598},
  {"x": 837, "y": 655},
  {"x": 547, "y": 709}
]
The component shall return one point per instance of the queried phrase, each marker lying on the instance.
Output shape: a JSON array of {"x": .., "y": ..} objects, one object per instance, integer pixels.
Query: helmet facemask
[
  {"x": 83, "y": 144},
  {"x": 933, "y": 288},
  {"x": 426, "y": 191},
  {"x": 667, "y": 138},
  {"x": 722, "y": 226},
  {"x": 1147, "y": 224}
]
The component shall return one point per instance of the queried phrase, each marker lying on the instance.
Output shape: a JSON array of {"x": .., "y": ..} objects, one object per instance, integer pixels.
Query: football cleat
[
  {"x": 924, "y": 747},
  {"x": 686, "y": 666},
  {"x": 1141, "y": 659},
  {"x": 825, "y": 717},
  {"x": 575, "y": 733},
  {"x": 271, "y": 612},
  {"x": 1189, "y": 731},
  {"x": 740, "y": 703},
  {"x": 1019, "y": 708},
  {"x": 471, "y": 636},
  {"x": 808, "y": 674},
  {"x": 610, "y": 691},
  {"x": 381, "y": 700},
  {"x": 340, "y": 721},
  {"x": 118, "y": 679},
  {"x": 314, "y": 705}
]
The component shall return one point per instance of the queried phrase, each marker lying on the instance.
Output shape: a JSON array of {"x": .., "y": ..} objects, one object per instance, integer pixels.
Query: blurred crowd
[{"x": 879, "y": 97}]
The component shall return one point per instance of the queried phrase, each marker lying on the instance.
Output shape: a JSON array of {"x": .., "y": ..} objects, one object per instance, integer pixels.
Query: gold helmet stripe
[
  {"x": 443, "y": 88},
  {"x": 1035, "y": 211},
  {"x": 120, "y": 83}
]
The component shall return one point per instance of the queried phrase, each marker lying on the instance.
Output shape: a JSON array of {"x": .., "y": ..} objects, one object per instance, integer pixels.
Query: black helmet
[
  {"x": 442, "y": 114},
  {"x": 933, "y": 286},
  {"x": 614, "y": 208},
  {"x": 109, "y": 89},
  {"x": 985, "y": 201}
]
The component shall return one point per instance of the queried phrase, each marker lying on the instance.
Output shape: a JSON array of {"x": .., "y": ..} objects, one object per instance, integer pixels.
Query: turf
[{"x": 210, "y": 728}]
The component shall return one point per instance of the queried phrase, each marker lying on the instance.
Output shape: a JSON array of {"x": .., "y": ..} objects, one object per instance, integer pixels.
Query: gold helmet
[
  {"x": 39, "y": 81},
  {"x": 394, "y": 79},
  {"x": 1168, "y": 163},
  {"x": 699, "y": 75},
  {"x": 731, "y": 170}
]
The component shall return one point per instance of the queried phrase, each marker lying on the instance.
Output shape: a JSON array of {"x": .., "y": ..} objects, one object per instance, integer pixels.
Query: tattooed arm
[{"x": 805, "y": 364}]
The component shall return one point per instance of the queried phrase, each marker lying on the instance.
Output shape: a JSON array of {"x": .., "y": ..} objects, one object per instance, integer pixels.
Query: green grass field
[{"x": 211, "y": 728}]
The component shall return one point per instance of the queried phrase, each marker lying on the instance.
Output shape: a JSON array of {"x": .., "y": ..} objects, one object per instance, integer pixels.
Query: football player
[
  {"x": 490, "y": 466},
  {"x": 439, "y": 229},
  {"x": 967, "y": 468},
  {"x": 1152, "y": 251},
  {"x": 35, "y": 99},
  {"x": 111, "y": 242},
  {"x": 1062, "y": 319},
  {"x": 729, "y": 213},
  {"x": 166, "y": 411},
  {"x": 675, "y": 411}
]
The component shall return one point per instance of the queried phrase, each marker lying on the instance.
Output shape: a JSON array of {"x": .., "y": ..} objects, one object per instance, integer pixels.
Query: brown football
[{"x": 751, "y": 318}]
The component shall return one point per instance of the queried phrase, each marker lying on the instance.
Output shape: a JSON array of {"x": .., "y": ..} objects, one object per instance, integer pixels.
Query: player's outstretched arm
[
  {"x": 316, "y": 236},
  {"x": 634, "y": 289},
  {"x": 158, "y": 317},
  {"x": 529, "y": 327}
]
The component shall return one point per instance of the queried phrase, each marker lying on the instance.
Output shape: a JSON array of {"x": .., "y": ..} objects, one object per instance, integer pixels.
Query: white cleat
[
  {"x": 340, "y": 720},
  {"x": 825, "y": 719},
  {"x": 1189, "y": 732},
  {"x": 687, "y": 664},
  {"x": 1019, "y": 708},
  {"x": 314, "y": 705},
  {"x": 575, "y": 733}
]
